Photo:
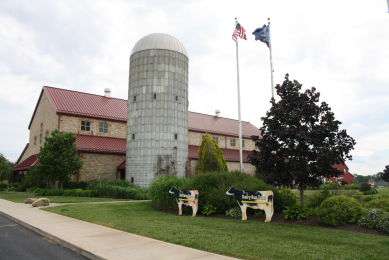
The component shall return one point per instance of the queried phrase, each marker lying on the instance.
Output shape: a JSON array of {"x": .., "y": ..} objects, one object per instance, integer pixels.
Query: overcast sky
[{"x": 339, "y": 47}]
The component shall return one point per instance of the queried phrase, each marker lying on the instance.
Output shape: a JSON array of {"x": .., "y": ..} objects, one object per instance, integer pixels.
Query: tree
[
  {"x": 5, "y": 168},
  {"x": 301, "y": 139},
  {"x": 58, "y": 157},
  {"x": 385, "y": 174},
  {"x": 210, "y": 156}
]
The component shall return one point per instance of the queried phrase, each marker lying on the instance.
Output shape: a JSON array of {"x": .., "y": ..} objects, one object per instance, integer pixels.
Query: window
[
  {"x": 40, "y": 138},
  {"x": 34, "y": 140},
  {"x": 216, "y": 139},
  {"x": 103, "y": 127},
  {"x": 155, "y": 96},
  {"x": 242, "y": 143},
  {"x": 134, "y": 98},
  {"x": 175, "y": 136},
  {"x": 202, "y": 137},
  {"x": 41, "y": 127},
  {"x": 132, "y": 179},
  {"x": 85, "y": 126},
  {"x": 232, "y": 142},
  {"x": 47, "y": 133},
  {"x": 176, "y": 98},
  {"x": 133, "y": 136}
]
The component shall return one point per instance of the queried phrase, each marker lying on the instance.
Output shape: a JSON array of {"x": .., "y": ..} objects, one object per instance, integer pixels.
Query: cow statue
[
  {"x": 187, "y": 198},
  {"x": 254, "y": 199}
]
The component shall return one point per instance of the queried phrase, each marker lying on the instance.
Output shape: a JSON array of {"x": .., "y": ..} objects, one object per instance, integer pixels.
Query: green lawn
[
  {"x": 241, "y": 239},
  {"x": 19, "y": 197}
]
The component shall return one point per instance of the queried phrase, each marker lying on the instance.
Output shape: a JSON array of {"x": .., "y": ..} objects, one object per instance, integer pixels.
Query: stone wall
[
  {"x": 195, "y": 138},
  {"x": 99, "y": 166},
  {"x": 45, "y": 114},
  {"x": 73, "y": 124},
  {"x": 232, "y": 166}
]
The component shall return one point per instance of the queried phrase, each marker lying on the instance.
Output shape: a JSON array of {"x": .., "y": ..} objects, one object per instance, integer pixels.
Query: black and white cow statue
[
  {"x": 254, "y": 199},
  {"x": 187, "y": 198}
]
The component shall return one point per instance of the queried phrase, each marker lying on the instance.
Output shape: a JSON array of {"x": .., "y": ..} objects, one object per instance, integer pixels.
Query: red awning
[
  {"x": 122, "y": 166},
  {"x": 26, "y": 164},
  {"x": 101, "y": 144}
]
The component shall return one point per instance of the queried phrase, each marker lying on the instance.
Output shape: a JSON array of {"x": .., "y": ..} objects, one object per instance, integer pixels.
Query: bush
[
  {"x": 3, "y": 185},
  {"x": 370, "y": 192},
  {"x": 208, "y": 210},
  {"x": 317, "y": 198},
  {"x": 12, "y": 189},
  {"x": 50, "y": 192},
  {"x": 21, "y": 187},
  {"x": 14, "y": 184},
  {"x": 80, "y": 193},
  {"x": 339, "y": 210},
  {"x": 234, "y": 212},
  {"x": 344, "y": 182},
  {"x": 70, "y": 185},
  {"x": 32, "y": 189},
  {"x": 297, "y": 212},
  {"x": 381, "y": 203},
  {"x": 2, "y": 189},
  {"x": 121, "y": 189},
  {"x": 287, "y": 198},
  {"x": 365, "y": 186},
  {"x": 352, "y": 187},
  {"x": 212, "y": 189},
  {"x": 374, "y": 219},
  {"x": 159, "y": 191},
  {"x": 368, "y": 198}
]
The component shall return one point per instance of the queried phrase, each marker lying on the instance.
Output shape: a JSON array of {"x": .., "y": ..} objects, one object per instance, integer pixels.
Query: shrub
[
  {"x": 14, "y": 184},
  {"x": 21, "y": 187},
  {"x": 75, "y": 185},
  {"x": 234, "y": 212},
  {"x": 297, "y": 212},
  {"x": 50, "y": 192},
  {"x": 3, "y": 185},
  {"x": 352, "y": 187},
  {"x": 370, "y": 192},
  {"x": 365, "y": 186},
  {"x": 368, "y": 198},
  {"x": 339, "y": 210},
  {"x": 330, "y": 186},
  {"x": 2, "y": 189},
  {"x": 159, "y": 191},
  {"x": 317, "y": 198},
  {"x": 80, "y": 193},
  {"x": 121, "y": 189},
  {"x": 12, "y": 189},
  {"x": 344, "y": 182},
  {"x": 32, "y": 189},
  {"x": 348, "y": 193},
  {"x": 209, "y": 209},
  {"x": 259, "y": 214},
  {"x": 374, "y": 219},
  {"x": 287, "y": 198},
  {"x": 381, "y": 203},
  {"x": 212, "y": 189}
]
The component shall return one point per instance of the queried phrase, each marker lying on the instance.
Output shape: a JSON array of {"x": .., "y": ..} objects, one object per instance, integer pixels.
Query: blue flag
[{"x": 262, "y": 34}]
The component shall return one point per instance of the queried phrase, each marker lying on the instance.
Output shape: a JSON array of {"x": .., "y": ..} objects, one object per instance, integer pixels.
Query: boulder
[
  {"x": 29, "y": 200},
  {"x": 41, "y": 202}
]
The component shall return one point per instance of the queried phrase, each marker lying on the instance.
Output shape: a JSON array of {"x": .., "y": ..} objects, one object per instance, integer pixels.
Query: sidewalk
[{"x": 97, "y": 242}]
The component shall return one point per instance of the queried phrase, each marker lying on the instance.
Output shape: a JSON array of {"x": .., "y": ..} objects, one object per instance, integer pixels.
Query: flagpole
[
  {"x": 271, "y": 62},
  {"x": 240, "y": 122}
]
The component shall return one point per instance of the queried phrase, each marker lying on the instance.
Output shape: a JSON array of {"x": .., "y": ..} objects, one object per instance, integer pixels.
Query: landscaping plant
[
  {"x": 209, "y": 209},
  {"x": 365, "y": 187},
  {"x": 298, "y": 212},
  {"x": 210, "y": 156},
  {"x": 287, "y": 198},
  {"x": 374, "y": 219},
  {"x": 370, "y": 192},
  {"x": 380, "y": 203},
  {"x": 339, "y": 210},
  {"x": 234, "y": 212}
]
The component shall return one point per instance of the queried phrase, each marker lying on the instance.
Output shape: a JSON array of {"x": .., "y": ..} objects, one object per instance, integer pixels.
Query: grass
[
  {"x": 19, "y": 197},
  {"x": 241, "y": 239},
  {"x": 381, "y": 191}
]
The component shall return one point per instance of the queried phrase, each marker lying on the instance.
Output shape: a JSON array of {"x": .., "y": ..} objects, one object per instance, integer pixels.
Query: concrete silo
[{"x": 157, "y": 120}]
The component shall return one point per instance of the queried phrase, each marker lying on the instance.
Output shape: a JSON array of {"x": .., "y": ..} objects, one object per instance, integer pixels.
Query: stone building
[
  {"x": 100, "y": 123},
  {"x": 149, "y": 134}
]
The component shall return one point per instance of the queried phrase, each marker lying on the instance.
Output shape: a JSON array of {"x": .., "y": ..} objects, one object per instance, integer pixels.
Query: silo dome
[
  {"x": 160, "y": 41},
  {"x": 157, "y": 109}
]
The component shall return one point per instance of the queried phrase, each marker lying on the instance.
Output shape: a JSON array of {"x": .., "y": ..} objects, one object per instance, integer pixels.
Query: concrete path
[{"x": 97, "y": 242}]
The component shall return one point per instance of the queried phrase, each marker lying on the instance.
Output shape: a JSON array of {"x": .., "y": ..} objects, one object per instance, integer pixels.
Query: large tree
[
  {"x": 385, "y": 174},
  {"x": 58, "y": 157},
  {"x": 210, "y": 156},
  {"x": 301, "y": 139},
  {"x": 5, "y": 168}
]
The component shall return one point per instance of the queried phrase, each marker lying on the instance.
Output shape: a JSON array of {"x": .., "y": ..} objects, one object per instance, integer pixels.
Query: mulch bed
[{"x": 279, "y": 217}]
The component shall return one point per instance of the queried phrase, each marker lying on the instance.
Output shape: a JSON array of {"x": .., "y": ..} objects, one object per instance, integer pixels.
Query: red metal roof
[
  {"x": 230, "y": 155},
  {"x": 122, "y": 166},
  {"x": 94, "y": 106},
  {"x": 219, "y": 125},
  {"x": 101, "y": 144},
  {"x": 26, "y": 164}
]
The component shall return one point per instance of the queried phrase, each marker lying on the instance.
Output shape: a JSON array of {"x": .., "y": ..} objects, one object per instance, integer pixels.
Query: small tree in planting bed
[
  {"x": 210, "y": 156},
  {"x": 58, "y": 157},
  {"x": 301, "y": 139}
]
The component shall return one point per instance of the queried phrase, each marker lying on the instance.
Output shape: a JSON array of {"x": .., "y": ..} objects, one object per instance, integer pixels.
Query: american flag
[{"x": 239, "y": 31}]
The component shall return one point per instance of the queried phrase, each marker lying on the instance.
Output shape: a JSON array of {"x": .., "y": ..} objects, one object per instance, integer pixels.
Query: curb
[{"x": 60, "y": 241}]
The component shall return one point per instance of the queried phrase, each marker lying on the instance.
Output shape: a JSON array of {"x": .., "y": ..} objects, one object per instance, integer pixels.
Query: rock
[
  {"x": 29, "y": 200},
  {"x": 41, "y": 202}
]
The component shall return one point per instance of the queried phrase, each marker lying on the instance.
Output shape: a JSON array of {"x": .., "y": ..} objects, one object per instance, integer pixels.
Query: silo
[{"x": 157, "y": 120}]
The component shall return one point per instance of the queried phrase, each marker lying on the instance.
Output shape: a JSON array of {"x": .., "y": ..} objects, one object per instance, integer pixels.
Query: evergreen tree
[
  {"x": 58, "y": 157},
  {"x": 210, "y": 156},
  {"x": 301, "y": 139}
]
